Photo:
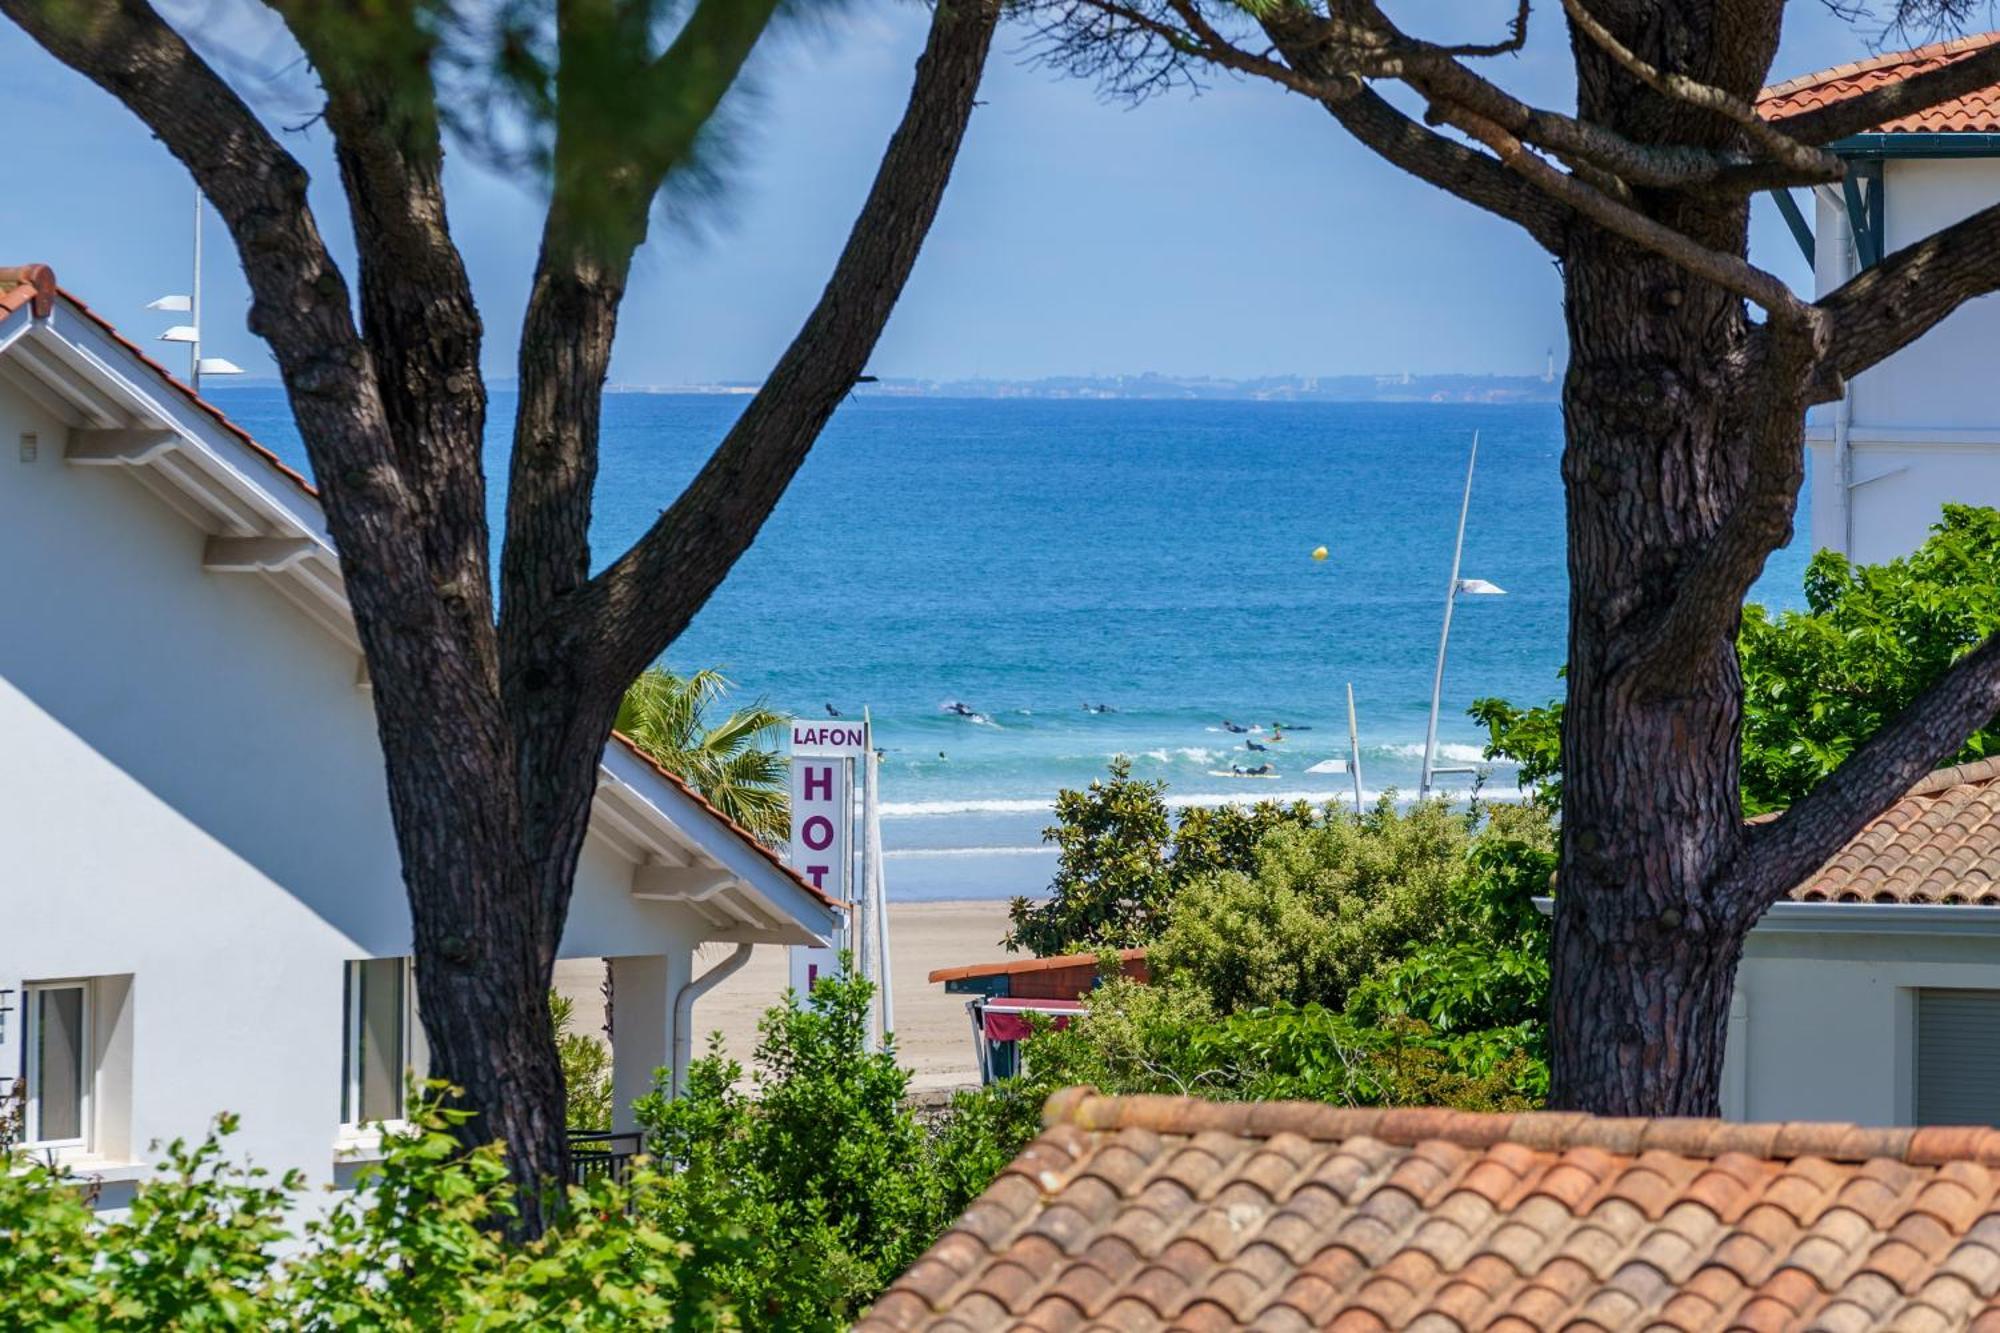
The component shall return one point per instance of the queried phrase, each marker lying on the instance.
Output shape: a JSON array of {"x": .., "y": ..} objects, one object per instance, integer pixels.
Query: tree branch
[
  {"x": 1776, "y": 856},
  {"x": 1724, "y": 270},
  {"x": 1810, "y": 163},
  {"x": 1892, "y": 304},
  {"x": 418, "y": 316},
  {"x": 625, "y": 121},
  {"x": 1919, "y": 92},
  {"x": 634, "y": 608},
  {"x": 1707, "y": 600}
]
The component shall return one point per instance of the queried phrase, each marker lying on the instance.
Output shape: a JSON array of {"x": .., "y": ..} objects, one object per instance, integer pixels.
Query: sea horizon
[{"x": 1093, "y": 578}]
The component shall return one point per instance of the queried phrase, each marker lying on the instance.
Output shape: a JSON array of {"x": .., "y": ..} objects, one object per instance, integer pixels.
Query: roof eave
[{"x": 1938, "y": 144}]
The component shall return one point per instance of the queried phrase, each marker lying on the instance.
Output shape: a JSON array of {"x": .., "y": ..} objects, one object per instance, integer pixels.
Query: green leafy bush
[
  {"x": 1135, "y": 1039},
  {"x": 420, "y": 1247},
  {"x": 1328, "y": 905},
  {"x": 586, "y": 1069},
  {"x": 801, "y": 1196},
  {"x": 1819, "y": 682},
  {"x": 1122, "y": 860}
]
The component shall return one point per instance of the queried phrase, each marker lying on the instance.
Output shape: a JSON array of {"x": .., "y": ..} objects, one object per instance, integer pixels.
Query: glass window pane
[
  {"x": 380, "y": 1057},
  {"x": 59, "y": 1045}
]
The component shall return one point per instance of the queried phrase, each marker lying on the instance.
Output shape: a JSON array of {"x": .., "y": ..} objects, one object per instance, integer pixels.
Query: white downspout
[
  {"x": 684, "y": 1010},
  {"x": 1843, "y": 411}
]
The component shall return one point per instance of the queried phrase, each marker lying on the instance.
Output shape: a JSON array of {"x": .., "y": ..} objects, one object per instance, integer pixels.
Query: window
[
  {"x": 57, "y": 1063},
  {"x": 1958, "y": 1057},
  {"x": 382, "y": 1040}
]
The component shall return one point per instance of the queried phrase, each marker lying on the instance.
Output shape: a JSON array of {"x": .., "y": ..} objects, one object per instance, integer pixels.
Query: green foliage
[
  {"x": 586, "y": 1070},
  {"x": 1393, "y": 959},
  {"x": 1324, "y": 906},
  {"x": 1135, "y": 1039},
  {"x": 801, "y": 1197},
  {"x": 731, "y": 761},
  {"x": 1122, "y": 861},
  {"x": 1819, "y": 682},
  {"x": 421, "y": 1247}
]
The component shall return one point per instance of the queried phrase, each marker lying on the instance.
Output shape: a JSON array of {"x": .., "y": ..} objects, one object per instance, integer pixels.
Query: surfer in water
[
  {"x": 1229, "y": 726},
  {"x": 1252, "y": 745},
  {"x": 1260, "y": 771},
  {"x": 1099, "y": 708},
  {"x": 831, "y": 711}
]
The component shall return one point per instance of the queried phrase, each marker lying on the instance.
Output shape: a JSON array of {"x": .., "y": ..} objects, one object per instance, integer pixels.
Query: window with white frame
[
  {"x": 382, "y": 1043},
  {"x": 58, "y": 1064}
]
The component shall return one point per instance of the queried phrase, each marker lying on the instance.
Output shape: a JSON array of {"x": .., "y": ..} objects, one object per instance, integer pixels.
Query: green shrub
[
  {"x": 803, "y": 1195},
  {"x": 1122, "y": 860},
  {"x": 1167, "y": 1039},
  {"x": 419, "y": 1247},
  {"x": 586, "y": 1070},
  {"x": 1323, "y": 908}
]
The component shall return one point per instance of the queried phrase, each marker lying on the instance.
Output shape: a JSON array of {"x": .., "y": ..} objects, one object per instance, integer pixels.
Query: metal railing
[{"x": 596, "y": 1154}]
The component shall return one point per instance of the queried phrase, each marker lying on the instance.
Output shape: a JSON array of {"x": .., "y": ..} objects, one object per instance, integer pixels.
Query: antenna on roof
[{"x": 190, "y": 332}]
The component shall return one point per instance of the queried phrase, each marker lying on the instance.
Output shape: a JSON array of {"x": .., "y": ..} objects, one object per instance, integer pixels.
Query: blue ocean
[{"x": 1090, "y": 579}]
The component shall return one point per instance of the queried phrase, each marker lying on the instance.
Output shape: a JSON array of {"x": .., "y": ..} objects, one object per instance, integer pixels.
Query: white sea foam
[
  {"x": 1454, "y": 751},
  {"x": 942, "y": 853},
  {"x": 1194, "y": 754},
  {"x": 1247, "y": 793},
  {"x": 981, "y": 806}
]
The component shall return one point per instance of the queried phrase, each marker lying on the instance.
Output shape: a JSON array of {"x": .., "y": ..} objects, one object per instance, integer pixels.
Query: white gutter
[
  {"x": 1790, "y": 918},
  {"x": 684, "y": 1010}
]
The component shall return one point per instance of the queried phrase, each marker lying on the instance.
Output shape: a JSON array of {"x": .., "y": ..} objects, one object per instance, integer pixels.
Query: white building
[
  {"x": 1922, "y": 428},
  {"x": 203, "y": 903}
]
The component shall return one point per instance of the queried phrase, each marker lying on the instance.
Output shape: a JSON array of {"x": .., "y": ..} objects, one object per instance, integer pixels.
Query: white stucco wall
[
  {"x": 1926, "y": 421},
  {"x": 191, "y": 794},
  {"x": 1824, "y": 1024}
]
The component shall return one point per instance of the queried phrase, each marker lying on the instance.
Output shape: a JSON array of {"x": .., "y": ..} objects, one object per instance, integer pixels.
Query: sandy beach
[{"x": 933, "y": 1036}]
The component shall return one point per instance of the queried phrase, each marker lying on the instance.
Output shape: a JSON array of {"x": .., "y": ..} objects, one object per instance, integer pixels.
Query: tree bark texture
[
  {"x": 1661, "y": 423},
  {"x": 493, "y": 723}
]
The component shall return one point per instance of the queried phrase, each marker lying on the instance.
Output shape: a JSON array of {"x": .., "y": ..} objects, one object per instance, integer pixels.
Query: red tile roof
[
  {"x": 1977, "y": 113},
  {"x": 1141, "y": 1213},
  {"x": 1939, "y": 844},
  {"x": 762, "y": 849},
  {"x": 36, "y": 284},
  {"x": 1014, "y": 967}
]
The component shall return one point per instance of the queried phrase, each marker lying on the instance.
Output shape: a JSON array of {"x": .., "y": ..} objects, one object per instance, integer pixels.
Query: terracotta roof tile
[
  {"x": 1939, "y": 844},
  {"x": 1977, "y": 112},
  {"x": 1141, "y": 1213}
]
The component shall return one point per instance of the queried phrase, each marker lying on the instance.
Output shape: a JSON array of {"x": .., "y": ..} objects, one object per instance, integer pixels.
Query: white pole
[
  {"x": 1353, "y": 748},
  {"x": 864, "y": 902},
  {"x": 1444, "y": 634},
  {"x": 873, "y": 834},
  {"x": 194, "y": 302}
]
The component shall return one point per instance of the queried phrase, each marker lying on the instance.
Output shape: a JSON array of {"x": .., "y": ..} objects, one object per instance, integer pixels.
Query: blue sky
[{"x": 1234, "y": 233}]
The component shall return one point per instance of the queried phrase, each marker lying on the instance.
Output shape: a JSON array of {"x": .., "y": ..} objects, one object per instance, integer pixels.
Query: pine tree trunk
[
  {"x": 1644, "y": 961},
  {"x": 1659, "y": 417}
]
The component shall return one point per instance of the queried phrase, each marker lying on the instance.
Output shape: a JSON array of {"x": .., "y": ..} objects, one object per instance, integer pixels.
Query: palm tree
[{"x": 666, "y": 716}]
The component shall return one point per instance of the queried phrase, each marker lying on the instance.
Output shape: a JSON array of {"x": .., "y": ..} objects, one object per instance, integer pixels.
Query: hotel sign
[{"x": 822, "y": 849}]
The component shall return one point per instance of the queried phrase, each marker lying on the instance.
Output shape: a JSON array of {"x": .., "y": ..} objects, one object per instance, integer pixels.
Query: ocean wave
[
  {"x": 1246, "y": 794},
  {"x": 1456, "y": 752},
  {"x": 1193, "y": 754},
  {"x": 936, "y": 853}
]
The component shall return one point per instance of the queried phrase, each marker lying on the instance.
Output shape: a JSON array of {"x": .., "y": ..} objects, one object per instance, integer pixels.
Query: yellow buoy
[{"x": 1319, "y": 553}]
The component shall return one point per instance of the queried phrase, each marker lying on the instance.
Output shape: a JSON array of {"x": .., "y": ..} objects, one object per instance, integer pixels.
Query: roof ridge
[
  {"x": 1915, "y": 55},
  {"x": 1956, "y": 775},
  {"x": 1546, "y": 1131}
]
